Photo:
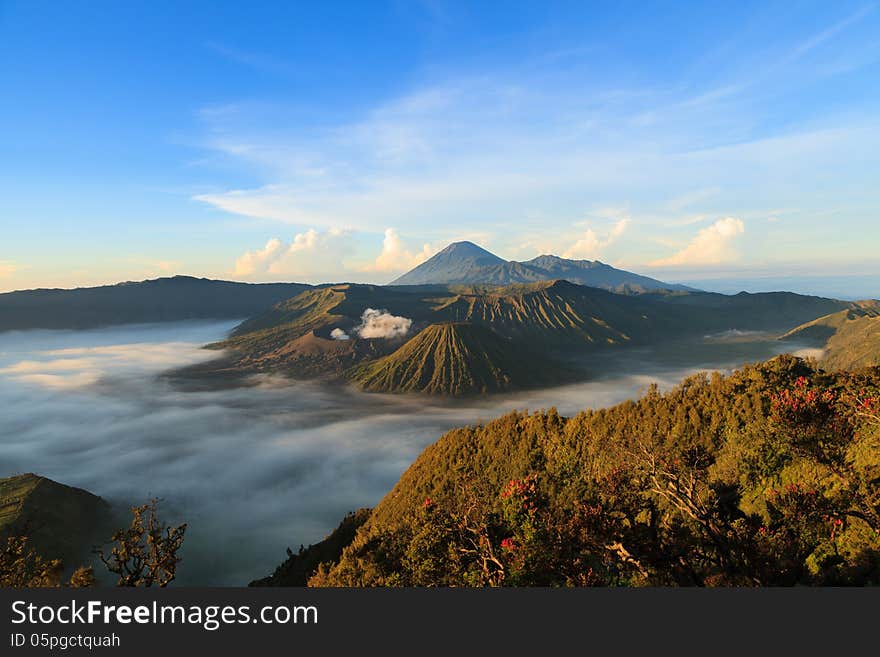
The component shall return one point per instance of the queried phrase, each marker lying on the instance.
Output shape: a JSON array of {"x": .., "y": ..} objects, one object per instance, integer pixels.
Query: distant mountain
[
  {"x": 460, "y": 262},
  {"x": 453, "y": 359},
  {"x": 158, "y": 300},
  {"x": 61, "y": 522},
  {"x": 467, "y": 263},
  {"x": 849, "y": 338},
  {"x": 470, "y": 338}
]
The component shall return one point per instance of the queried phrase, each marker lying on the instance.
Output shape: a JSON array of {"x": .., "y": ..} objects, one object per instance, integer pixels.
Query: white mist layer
[{"x": 251, "y": 469}]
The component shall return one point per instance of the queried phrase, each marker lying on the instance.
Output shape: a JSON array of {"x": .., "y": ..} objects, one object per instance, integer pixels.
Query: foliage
[
  {"x": 767, "y": 477},
  {"x": 146, "y": 553},
  {"x": 22, "y": 567}
]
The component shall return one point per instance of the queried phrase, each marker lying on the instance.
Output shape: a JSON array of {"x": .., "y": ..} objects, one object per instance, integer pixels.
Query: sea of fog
[{"x": 254, "y": 469}]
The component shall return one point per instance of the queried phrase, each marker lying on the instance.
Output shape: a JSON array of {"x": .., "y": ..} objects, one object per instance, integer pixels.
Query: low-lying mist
[{"x": 257, "y": 468}]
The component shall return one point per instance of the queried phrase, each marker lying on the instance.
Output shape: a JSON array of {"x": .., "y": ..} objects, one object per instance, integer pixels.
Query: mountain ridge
[
  {"x": 849, "y": 338},
  {"x": 551, "y": 318},
  {"x": 466, "y": 262},
  {"x": 172, "y": 298}
]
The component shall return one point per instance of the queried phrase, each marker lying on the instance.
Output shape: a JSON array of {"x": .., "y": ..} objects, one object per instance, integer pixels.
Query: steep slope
[
  {"x": 556, "y": 312},
  {"x": 159, "y": 300},
  {"x": 287, "y": 321},
  {"x": 60, "y": 521},
  {"x": 295, "y": 335},
  {"x": 453, "y": 359},
  {"x": 460, "y": 262},
  {"x": 600, "y": 498},
  {"x": 467, "y": 263},
  {"x": 850, "y": 338},
  {"x": 560, "y": 312}
]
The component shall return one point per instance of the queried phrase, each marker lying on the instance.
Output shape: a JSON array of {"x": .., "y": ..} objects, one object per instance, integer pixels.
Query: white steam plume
[{"x": 382, "y": 324}]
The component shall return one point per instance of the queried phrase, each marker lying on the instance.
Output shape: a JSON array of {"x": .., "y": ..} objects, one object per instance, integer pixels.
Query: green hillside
[
  {"x": 850, "y": 338},
  {"x": 769, "y": 476},
  {"x": 60, "y": 521},
  {"x": 454, "y": 359}
]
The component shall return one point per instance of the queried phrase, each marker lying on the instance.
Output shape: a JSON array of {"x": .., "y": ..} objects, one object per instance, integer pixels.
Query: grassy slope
[
  {"x": 453, "y": 359},
  {"x": 851, "y": 338},
  {"x": 60, "y": 521}
]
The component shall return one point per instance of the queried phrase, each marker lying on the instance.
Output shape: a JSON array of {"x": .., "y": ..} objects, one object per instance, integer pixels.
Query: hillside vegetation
[
  {"x": 456, "y": 359},
  {"x": 849, "y": 338},
  {"x": 768, "y": 476}
]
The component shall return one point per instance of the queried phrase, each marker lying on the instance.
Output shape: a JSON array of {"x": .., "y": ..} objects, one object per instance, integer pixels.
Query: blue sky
[{"x": 735, "y": 145}]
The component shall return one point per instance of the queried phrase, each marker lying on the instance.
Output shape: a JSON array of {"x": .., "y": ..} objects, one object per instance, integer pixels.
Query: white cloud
[
  {"x": 259, "y": 261},
  {"x": 590, "y": 244},
  {"x": 713, "y": 245},
  {"x": 395, "y": 257},
  {"x": 309, "y": 254}
]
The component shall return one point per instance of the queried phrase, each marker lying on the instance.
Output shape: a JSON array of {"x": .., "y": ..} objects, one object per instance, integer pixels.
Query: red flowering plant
[
  {"x": 867, "y": 406},
  {"x": 523, "y": 522},
  {"x": 521, "y": 501},
  {"x": 815, "y": 421}
]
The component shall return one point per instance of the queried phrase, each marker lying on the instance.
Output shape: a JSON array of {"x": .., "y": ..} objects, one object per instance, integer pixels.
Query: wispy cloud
[
  {"x": 829, "y": 33},
  {"x": 257, "y": 60}
]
